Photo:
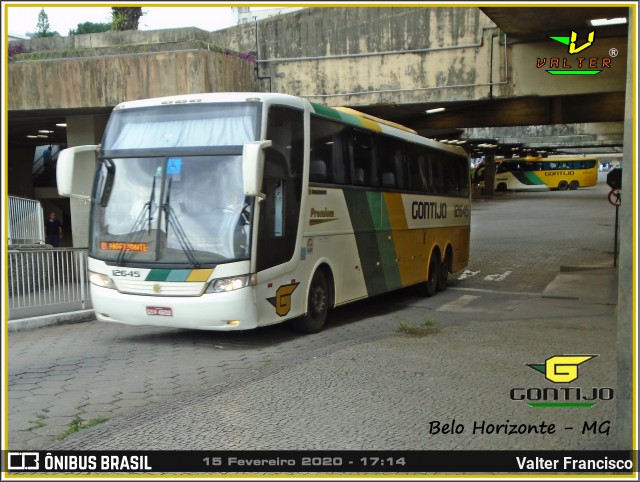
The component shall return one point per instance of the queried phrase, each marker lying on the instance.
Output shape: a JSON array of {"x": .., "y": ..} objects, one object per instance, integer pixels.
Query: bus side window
[
  {"x": 418, "y": 177},
  {"x": 340, "y": 160},
  {"x": 436, "y": 183},
  {"x": 401, "y": 168},
  {"x": 362, "y": 163},
  {"x": 386, "y": 153},
  {"x": 327, "y": 157}
]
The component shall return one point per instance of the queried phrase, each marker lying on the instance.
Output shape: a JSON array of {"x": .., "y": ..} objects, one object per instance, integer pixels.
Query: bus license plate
[{"x": 159, "y": 311}]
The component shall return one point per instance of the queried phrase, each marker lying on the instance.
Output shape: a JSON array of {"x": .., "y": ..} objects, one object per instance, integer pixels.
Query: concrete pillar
[
  {"x": 489, "y": 172},
  {"x": 83, "y": 130},
  {"x": 626, "y": 321}
]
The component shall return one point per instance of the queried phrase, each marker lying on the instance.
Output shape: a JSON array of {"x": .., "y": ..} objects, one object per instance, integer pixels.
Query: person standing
[
  {"x": 47, "y": 158},
  {"x": 53, "y": 230}
]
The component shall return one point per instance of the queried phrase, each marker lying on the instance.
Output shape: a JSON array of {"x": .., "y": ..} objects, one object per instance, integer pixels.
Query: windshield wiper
[
  {"x": 172, "y": 220},
  {"x": 134, "y": 235},
  {"x": 150, "y": 203}
]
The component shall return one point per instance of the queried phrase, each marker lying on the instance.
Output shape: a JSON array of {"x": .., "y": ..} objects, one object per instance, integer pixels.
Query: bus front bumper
[{"x": 233, "y": 310}]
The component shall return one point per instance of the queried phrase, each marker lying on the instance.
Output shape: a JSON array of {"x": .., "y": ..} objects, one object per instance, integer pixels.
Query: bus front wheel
[{"x": 317, "y": 306}]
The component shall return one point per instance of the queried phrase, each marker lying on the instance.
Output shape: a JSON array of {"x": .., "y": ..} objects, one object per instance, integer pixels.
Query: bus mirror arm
[{"x": 253, "y": 166}]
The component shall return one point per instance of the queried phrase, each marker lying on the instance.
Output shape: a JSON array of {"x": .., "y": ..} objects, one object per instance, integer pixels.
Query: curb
[{"x": 51, "y": 320}]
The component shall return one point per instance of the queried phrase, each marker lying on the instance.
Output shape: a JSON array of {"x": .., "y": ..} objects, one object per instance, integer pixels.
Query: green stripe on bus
[
  {"x": 528, "y": 178},
  {"x": 326, "y": 111},
  {"x": 158, "y": 275},
  {"x": 384, "y": 236},
  {"x": 179, "y": 275},
  {"x": 334, "y": 114},
  {"x": 375, "y": 244}
]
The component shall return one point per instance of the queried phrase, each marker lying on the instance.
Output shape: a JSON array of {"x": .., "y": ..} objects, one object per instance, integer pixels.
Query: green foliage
[
  {"x": 125, "y": 18},
  {"x": 77, "y": 424},
  {"x": 42, "y": 27},
  {"x": 90, "y": 27}
]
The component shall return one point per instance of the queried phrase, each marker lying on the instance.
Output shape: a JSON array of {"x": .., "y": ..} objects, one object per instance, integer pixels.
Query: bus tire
[
  {"x": 501, "y": 187},
  {"x": 445, "y": 268},
  {"x": 562, "y": 186},
  {"x": 317, "y": 306},
  {"x": 573, "y": 185},
  {"x": 429, "y": 287}
]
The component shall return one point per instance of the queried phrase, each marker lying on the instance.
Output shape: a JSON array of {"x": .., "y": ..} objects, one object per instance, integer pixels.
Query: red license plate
[{"x": 159, "y": 311}]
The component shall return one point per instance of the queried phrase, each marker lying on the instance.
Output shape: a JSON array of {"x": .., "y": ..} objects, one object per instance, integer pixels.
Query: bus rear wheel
[
  {"x": 317, "y": 307},
  {"x": 562, "y": 186},
  {"x": 430, "y": 286},
  {"x": 573, "y": 185},
  {"x": 445, "y": 268}
]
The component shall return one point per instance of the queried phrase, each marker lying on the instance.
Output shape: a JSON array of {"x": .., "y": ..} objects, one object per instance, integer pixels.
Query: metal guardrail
[
  {"x": 40, "y": 277},
  {"x": 26, "y": 221}
]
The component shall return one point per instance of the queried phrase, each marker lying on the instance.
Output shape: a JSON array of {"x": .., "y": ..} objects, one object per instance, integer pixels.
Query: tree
[
  {"x": 125, "y": 18},
  {"x": 90, "y": 27},
  {"x": 43, "y": 28}
]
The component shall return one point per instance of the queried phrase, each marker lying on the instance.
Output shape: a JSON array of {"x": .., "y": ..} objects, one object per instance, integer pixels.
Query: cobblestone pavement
[{"x": 362, "y": 382}]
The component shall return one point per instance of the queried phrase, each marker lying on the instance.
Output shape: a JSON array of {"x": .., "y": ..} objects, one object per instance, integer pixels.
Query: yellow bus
[
  {"x": 542, "y": 174},
  {"x": 231, "y": 211}
]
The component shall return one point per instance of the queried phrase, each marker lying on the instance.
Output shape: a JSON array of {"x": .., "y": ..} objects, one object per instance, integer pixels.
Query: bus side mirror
[
  {"x": 253, "y": 167},
  {"x": 75, "y": 179}
]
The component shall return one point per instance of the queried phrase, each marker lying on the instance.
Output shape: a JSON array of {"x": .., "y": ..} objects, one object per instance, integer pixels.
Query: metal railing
[
  {"x": 41, "y": 279},
  {"x": 26, "y": 221}
]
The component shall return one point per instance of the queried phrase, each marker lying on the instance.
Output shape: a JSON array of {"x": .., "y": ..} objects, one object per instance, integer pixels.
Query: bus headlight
[
  {"x": 101, "y": 280},
  {"x": 233, "y": 283}
]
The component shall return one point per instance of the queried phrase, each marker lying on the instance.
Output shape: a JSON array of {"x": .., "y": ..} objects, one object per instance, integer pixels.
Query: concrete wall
[
  {"x": 108, "y": 80},
  {"x": 374, "y": 55}
]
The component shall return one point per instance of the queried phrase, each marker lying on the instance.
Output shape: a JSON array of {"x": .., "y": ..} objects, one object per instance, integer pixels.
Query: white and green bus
[{"x": 231, "y": 211}]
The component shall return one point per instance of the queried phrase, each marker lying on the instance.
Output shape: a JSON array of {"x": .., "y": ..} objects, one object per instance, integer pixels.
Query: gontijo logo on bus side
[{"x": 579, "y": 64}]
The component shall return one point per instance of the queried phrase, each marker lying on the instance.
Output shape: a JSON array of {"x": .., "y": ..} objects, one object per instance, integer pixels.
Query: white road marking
[
  {"x": 459, "y": 304},
  {"x": 497, "y": 277},
  {"x": 468, "y": 274}
]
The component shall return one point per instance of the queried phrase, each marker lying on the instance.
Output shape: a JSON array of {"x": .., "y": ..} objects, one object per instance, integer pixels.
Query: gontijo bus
[
  {"x": 542, "y": 174},
  {"x": 231, "y": 211}
]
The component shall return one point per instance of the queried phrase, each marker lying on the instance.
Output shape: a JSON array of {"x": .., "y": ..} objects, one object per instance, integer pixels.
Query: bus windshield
[
  {"x": 188, "y": 209},
  {"x": 173, "y": 178}
]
